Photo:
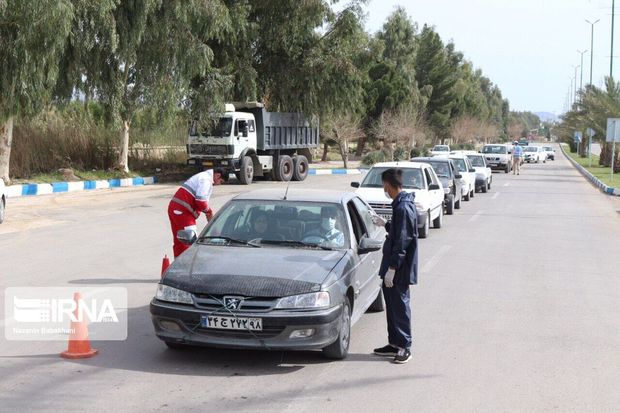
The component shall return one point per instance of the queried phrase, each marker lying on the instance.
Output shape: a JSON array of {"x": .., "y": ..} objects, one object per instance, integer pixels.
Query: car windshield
[
  {"x": 548, "y": 149},
  {"x": 412, "y": 178},
  {"x": 285, "y": 224},
  {"x": 441, "y": 148},
  {"x": 494, "y": 149},
  {"x": 460, "y": 164},
  {"x": 476, "y": 160},
  {"x": 442, "y": 169},
  {"x": 221, "y": 127},
  {"x": 530, "y": 149}
]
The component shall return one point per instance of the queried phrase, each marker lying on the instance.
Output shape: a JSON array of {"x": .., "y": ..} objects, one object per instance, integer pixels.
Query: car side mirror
[
  {"x": 355, "y": 184},
  {"x": 472, "y": 170},
  {"x": 458, "y": 176},
  {"x": 186, "y": 236},
  {"x": 433, "y": 187},
  {"x": 509, "y": 152},
  {"x": 368, "y": 244}
]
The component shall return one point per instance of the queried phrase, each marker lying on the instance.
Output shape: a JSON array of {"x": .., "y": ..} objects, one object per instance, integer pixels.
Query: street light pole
[
  {"x": 592, "y": 46},
  {"x": 581, "y": 71},
  {"x": 611, "y": 58},
  {"x": 575, "y": 89}
]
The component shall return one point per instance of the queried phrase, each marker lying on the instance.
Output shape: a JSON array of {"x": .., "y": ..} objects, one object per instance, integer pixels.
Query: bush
[
  {"x": 401, "y": 154},
  {"x": 374, "y": 157}
]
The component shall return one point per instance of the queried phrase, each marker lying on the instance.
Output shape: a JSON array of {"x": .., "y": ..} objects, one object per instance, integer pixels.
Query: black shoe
[
  {"x": 402, "y": 357},
  {"x": 388, "y": 351}
]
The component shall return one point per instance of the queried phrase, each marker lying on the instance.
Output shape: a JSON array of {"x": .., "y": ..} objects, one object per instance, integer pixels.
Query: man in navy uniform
[{"x": 399, "y": 266}]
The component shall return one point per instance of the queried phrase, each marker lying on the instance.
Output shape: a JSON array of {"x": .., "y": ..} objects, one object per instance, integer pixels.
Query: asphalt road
[{"x": 517, "y": 310}]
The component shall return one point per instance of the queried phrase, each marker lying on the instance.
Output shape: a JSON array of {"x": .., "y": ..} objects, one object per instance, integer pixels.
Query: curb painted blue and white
[
  {"x": 335, "y": 171},
  {"x": 14, "y": 191},
  {"x": 593, "y": 179}
]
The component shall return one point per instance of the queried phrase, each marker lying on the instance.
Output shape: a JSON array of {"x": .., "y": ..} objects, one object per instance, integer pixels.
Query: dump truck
[{"x": 251, "y": 142}]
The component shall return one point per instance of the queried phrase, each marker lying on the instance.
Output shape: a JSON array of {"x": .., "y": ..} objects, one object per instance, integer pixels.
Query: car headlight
[
  {"x": 173, "y": 295},
  {"x": 312, "y": 300}
]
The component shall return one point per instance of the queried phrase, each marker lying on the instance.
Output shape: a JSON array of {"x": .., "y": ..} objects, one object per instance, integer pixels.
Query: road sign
[
  {"x": 613, "y": 130},
  {"x": 590, "y": 132},
  {"x": 577, "y": 137}
]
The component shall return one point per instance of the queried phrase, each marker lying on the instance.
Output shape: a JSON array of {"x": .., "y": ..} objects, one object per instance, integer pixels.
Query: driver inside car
[{"x": 327, "y": 234}]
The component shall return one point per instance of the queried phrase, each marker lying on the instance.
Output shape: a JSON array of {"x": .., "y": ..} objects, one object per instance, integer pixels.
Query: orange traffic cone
[
  {"x": 165, "y": 264},
  {"x": 79, "y": 344}
]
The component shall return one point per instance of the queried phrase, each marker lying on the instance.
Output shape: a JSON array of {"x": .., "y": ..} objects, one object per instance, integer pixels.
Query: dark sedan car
[
  {"x": 274, "y": 270},
  {"x": 450, "y": 178}
]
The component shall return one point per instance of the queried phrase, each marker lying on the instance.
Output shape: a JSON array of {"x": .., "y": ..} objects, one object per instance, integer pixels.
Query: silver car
[{"x": 274, "y": 270}]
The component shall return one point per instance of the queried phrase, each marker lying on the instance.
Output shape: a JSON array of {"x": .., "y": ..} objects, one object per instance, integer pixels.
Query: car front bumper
[{"x": 278, "y": 325}]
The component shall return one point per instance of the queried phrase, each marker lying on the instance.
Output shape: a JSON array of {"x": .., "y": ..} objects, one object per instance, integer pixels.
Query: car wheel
[
  {"x": 450, "y": 206},
  {"x": 457, "y": 204},
  {"x": 284, "y": 170},
  {"x": 472, "y": 193},
  {"x": 489, "y": 184},
  {"x": 484, "y": 187},
  {"x": 339, "y": 349},
  {"x": 246, "y": 174},
  {"x": 300, "y": 168},
  {"x": 438, "y": 222},
  {"x": 466, "y": 197},
  {"x": 2, "y": 209},
  {"x": 423, "y": 232},
  {"x": 507, "y": 169},
  {"x": 377, "y": 305}
]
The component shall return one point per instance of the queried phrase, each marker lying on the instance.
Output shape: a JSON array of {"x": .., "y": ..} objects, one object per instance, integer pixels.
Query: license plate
[
  {"x": 207, "y": 163},
  {"x": 386, "y": 216},
  {"x": 231, "y": 323}
]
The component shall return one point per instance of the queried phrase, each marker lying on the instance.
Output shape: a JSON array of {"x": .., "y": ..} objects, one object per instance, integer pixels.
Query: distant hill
[{"x": 547, "y": 116}]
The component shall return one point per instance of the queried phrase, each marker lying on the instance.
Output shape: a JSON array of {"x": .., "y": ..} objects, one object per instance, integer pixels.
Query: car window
[
  {"x": 476, "y": 160},
  {"x": 365, "y": 212},
  {"x": 412, "y": 178},
  {"x": 429, "y": 179},
  {"x": 359, "y": 229},
  {"x": 460, "y": 164},
  {"x": 497, "y": 149},
  {"x": 442, "y": 169}
]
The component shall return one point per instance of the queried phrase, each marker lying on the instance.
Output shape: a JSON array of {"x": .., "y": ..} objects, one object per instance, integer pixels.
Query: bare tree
[
  {"x": 343, "y": 129},
  {"x": 405, "y": 128},
  {"x": 468, "y": 129}
]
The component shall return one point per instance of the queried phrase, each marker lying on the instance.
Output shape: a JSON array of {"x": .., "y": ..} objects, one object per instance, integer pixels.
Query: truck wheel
[
  {"x": 300, "y": 168},
  {"x": 246, "y": 174},
  {"x": 284, "y": 172}
]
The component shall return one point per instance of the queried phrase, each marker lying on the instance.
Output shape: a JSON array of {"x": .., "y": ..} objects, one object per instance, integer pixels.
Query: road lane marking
[
  {"x": 430, "y": 264},
  {"x": 475, "y": 216},
  {"x": 495, "y": 195}
]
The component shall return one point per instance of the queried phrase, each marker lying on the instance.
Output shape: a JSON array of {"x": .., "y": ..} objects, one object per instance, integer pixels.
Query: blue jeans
[{"x": 398, "y": 313}]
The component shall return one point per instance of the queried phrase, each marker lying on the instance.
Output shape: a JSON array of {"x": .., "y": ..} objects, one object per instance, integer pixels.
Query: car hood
[
  {"x": 251, "y": 272},
  {"x": 377, "y": 195}
]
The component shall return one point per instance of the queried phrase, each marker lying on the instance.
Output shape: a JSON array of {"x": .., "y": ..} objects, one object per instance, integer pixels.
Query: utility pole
[
  {"x": 592, "y": 45},
  {"x": 611, "y": 58},
  {"x": 581, "y": 75},
  {"x": 575, "y": 89}
]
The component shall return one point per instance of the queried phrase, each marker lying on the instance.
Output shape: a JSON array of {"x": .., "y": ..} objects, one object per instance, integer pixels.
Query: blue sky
[{"x": 527, "y": 47}]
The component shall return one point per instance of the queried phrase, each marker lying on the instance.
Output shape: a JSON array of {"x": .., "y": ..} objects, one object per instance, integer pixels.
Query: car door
[
  {"x": 436, "y": 195},
  {"x": 365, "y": 280}
]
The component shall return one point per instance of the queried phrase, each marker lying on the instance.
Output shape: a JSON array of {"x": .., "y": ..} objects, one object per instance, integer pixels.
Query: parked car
[
  {"x": 498, "y": 156},
  {"x": 450, "y": 179},
  {"x": 294, "y": 286},
  {"x": 468, "y": 175},
  {"x": 534, "y": 154},
  {"x": 440, "y": 150},
  {"x": 2, "y": 201},
  {"x": 419, "y": 178},
  {"x": 550, "y": 152},
  {"x": 484, "y": 174}
]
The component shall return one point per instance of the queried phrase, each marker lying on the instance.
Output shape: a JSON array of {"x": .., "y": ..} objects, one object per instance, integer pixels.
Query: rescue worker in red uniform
[{"x": 190, "y": 200}]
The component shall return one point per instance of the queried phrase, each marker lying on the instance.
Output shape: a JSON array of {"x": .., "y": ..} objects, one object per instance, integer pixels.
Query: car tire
[
  {"x": 472, "y": 193},
  {"x": 438, "y": 222},
  {"x": 300, "y": 168},
  {"x": 450, "y": 206},
  {"x": 2, "y": 209},
  {"x": 339, "y": 349},
  {"x": 377, "y": 305},
  {"x": 507, "y": 169},
  {"x": 484, "y": 188},
  {"x": 489, "y": 184},
  {"x": 284, "y": 169},
  {"x": 424, "y": 231},
  {"x": 457, "y": 204},
  {"x": 466, "y": 197},
  {"x": 246, "y": 174}
]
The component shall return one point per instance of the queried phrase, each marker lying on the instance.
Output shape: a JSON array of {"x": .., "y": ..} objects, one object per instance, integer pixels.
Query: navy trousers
[{"x": 398, "y": 312}]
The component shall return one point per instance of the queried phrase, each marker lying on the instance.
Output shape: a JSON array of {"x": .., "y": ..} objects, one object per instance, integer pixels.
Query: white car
[
  {"x": 550, "y": 152},
  {"x": 440, "y": 150},
  {"x": 468, "y": 175},
  {"x": 534, "y": 154},
  {"x": 484, "y": 174},
  {"x": 419, "y": 178},
  {"x": 498, "y": 156},
  {"x": 2, "y": 200}
]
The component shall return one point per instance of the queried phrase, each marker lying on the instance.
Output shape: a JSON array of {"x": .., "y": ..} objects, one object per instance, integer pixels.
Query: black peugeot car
[{"x": 450, "y": 178}]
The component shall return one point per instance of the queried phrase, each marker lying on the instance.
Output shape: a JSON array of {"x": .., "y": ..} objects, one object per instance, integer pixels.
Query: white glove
[
  {"x": 389, "y": 278},
  {"x": 378, "y": 221}
]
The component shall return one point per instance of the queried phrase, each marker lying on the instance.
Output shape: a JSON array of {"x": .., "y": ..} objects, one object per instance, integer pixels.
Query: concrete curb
[
  {"x": 14, "y": 191},
  {"x": 593, "y": 179},
  {"x": 335, "y": 171}
]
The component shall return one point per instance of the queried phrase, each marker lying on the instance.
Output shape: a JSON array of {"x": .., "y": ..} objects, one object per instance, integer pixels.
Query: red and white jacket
[{"x": 194, "y": 194}]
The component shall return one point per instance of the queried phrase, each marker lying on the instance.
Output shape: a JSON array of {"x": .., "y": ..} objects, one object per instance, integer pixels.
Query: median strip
[{"x": 14, "y": 191}]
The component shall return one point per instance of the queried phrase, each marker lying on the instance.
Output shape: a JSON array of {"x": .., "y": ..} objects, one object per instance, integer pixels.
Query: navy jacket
[{"x": 400, "y": 249}]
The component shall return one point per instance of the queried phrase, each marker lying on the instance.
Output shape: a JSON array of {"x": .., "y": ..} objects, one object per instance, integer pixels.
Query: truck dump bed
[{"x": 277, "y": 130}]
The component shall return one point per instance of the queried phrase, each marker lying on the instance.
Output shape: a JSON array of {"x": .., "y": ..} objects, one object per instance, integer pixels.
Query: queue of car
[{"x": 295, "y": 269}]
